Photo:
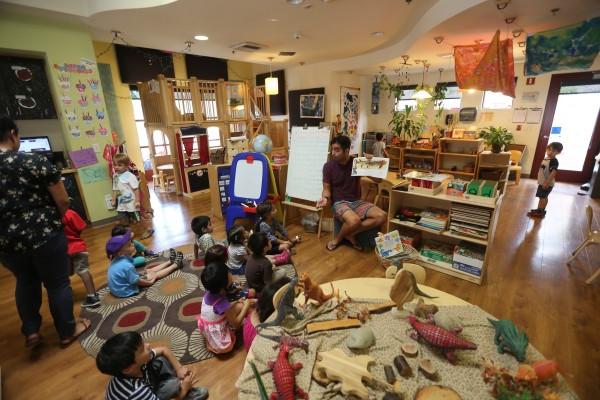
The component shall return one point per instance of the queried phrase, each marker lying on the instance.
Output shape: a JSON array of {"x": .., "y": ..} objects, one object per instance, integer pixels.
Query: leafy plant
[
  {"x": 406, "y": 124},
  {"x": 438, "y": 97},
  {"x": 496, "y": 137}
]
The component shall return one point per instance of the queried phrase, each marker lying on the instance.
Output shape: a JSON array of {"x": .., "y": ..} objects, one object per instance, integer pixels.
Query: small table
[{"x": 163, "y": 172}]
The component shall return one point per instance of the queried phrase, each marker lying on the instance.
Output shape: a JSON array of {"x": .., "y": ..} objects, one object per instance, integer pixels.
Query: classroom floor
[{"x": 527, "y": 281}]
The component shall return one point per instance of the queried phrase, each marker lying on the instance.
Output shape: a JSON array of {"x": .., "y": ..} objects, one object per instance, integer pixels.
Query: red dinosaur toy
[
  {"x": 284, "y": 374},
  {"x": 440, "y": 338},
  {"x": 313, "y": 291}
]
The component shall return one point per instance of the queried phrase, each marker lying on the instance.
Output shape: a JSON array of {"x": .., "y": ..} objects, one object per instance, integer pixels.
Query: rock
[
  {"x": 427, "y": 369},
  {"x": 361, "y": 338},
  {"x": 402, "y": 366},
  {"x": 391, "y": 396},
  {"x": 410, "y": 349},
  {"x": 446, "y": 320},
  {"x": 390, "y": 377},
  {"x": 400, "y": 314},
  {"x": 435, "y": 392}
]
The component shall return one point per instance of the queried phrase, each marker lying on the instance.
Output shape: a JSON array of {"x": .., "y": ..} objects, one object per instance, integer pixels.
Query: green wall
[{"x": 66, "y": 43}]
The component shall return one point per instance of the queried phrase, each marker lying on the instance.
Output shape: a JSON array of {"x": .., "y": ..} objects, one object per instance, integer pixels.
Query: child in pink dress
[{"x": 219, "y": 318}]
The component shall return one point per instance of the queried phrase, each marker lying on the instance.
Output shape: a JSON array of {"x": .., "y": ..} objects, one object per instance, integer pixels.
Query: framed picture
[
  {"x": 349, "y": 104},
  {"x": 458, "y": 133},
  {"x": 312, "y": 106}
]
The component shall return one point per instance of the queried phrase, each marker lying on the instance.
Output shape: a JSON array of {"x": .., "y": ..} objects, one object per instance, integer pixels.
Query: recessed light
[
  {"x": 273, "y": 20},
  {"x": 307, "y": 6},
  {"x": 377, "y": 34},
  {"x": 295, "y": 2},
  {"x": 201, "y": 37},
  {"x": 446, "y": 55}
]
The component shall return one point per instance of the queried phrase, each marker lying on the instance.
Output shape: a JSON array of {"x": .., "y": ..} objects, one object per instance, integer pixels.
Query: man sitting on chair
[{"x": 342, "y": 190}]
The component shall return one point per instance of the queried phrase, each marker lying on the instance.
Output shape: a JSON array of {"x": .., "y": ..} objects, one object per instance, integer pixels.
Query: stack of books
[
  {"x": 434, "y": 218},
  {"x": 470, "y": 220}
]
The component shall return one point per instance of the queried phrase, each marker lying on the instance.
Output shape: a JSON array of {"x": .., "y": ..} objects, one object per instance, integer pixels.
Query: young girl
[
  {"x": 237, "y": 253},
  {"x": 275, "y": 232},
  {"x": 218, "y": 317},
  {"x": 259, "y": 268},
  {"x": 202, "y": 227},
  {"x": 261, "y": 313},
  {"x": 218, "y": 254}
]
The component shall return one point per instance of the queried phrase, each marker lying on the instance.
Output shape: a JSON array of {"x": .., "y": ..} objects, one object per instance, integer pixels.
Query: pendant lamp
[
  {"x": 271, "y": 84},
  {"x": 422, "y": 94}
]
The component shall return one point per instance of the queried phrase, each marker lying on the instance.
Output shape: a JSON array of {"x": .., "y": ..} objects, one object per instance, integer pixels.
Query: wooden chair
[
  {"x": 592, "y": 237},
  {"x": 384, "y": 190},
  {"x": 515, "y": 164}
]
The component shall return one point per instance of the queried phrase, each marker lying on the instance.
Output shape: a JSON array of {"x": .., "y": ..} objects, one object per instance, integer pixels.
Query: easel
[{"x": 287, "y": 204}]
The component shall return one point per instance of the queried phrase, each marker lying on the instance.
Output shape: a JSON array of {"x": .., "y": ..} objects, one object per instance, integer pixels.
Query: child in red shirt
[{"x": 78, "y": 256}]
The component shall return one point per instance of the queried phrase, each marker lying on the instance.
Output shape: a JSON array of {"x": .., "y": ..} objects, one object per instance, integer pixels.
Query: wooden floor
[{"x": 527, "y": 282}]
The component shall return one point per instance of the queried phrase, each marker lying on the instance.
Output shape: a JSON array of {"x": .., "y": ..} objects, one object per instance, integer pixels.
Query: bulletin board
[{"x": 294, "y": 102}]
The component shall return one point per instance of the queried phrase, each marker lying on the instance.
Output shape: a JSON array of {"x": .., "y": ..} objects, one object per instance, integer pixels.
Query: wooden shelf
[
  {"x": 419, "y": 156},
  {"x": 446, "y": 233},
  {"x": 447, "y": 171},
  {"x": 447, "y": 269},
  {"x": 416, "y": 169},
  {"x": 458, "y": 155}
]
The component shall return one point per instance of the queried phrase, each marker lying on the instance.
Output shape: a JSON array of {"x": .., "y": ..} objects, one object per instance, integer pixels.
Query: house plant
[
  {"x": 496, "y": 137},
  {"x": 407, "y": 125}
]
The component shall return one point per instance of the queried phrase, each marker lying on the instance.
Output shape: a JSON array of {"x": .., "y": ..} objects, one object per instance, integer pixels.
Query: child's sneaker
[
  {"x": 197, "y": 393},
  {"x": 91, "y": 301},
  {"x": 179, "y": 259},
  {"x": 172, "y": 255}
]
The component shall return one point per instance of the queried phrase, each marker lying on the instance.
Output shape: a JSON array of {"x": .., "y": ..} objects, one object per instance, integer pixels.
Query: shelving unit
[
  {"x": 455, "y": 207},
  {"x": 395, "y": 153},
  {"x": 459, "y": 156},
  {"x": 418, "y": 156},
  {"x": 494, "y": 166}
]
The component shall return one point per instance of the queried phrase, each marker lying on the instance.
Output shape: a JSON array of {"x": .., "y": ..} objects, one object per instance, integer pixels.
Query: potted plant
[
  {"x": 406, "y": 125},
  {"x": 496, "y": 137}
]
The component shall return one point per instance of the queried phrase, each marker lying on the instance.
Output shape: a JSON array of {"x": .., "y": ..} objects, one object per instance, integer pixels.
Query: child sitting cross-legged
[
  {"x": 219, "y": 318},
  {"x": 141, "y": 372},
  {"x": 218, "y": 254},
  {"x": 237, "y": 252},
  {"x": 276, "y": 233},
  {"x": 203, "y": 229},
  {"x": 142, "y": 255},
  {"x": 260, "y": 269},
  {"x": 264, "y": 308},
  {"x": 123, "y": 279}
]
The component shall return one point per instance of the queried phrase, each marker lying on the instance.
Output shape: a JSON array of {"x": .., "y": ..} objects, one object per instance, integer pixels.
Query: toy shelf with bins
[
  {"x": 420, "y": 157},
  {"x": 403, "y": 199},
  {"x": 495, "y": 167},
  {"x": 459, "y": 156},
  {"x": 395, "y": 153}
]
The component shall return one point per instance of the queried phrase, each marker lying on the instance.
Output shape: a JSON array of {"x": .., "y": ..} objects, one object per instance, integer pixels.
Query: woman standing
[{"x": 33, "y": 245}]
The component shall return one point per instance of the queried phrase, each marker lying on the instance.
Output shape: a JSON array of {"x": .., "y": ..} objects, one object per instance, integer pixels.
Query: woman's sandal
[
  {"x": 331, "y": 246},
  {"x": 86, "y": 323},
  {"x": 33, "y": 340}
]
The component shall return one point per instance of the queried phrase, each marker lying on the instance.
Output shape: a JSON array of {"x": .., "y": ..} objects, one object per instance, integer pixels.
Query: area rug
[{"x": 164, "y": 313}]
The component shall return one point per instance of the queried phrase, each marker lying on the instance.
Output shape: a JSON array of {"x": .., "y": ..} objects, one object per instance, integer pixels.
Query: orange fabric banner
[{"x": 486, "y": 66}]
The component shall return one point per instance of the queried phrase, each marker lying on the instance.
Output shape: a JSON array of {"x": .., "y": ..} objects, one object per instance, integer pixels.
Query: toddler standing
[{"x": 546, "y": 176}]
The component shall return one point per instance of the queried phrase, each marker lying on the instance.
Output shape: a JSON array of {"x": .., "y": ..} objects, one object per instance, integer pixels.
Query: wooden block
[
  {"x": 350, "y": 371},
  {"x": 332, "y": 324},
  {"x": 375, "y": 308}
]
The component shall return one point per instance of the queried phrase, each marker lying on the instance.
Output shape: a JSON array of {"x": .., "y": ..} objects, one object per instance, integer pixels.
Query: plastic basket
[{"x": 409, "y": 252}]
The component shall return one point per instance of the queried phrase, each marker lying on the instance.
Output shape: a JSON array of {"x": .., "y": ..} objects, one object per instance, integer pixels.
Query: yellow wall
[
  {"x": 240, "y": 71},
  {"x": 63, "y": 43}
]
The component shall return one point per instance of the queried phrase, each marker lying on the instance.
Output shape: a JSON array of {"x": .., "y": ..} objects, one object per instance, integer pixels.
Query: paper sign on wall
[
  {"x": 83, "y": 157},
  {"x": 94, "y": 174}
]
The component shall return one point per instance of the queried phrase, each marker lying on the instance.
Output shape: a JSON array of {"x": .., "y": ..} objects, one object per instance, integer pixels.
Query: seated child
[
  {"x": 123, "y": 279},
  {"x": 237, "y": 252},
  {"x": 218, "y": 253},
  {"x": 275, "y": 232},
  {"x": 219, "y": 319},
  {"x": 263, "y": 310},
  {"x": 141, "y": 372},
  {"x": 259, "y": 269},
  {"x": 78, "y": 256},
  {"x": 202, "y": 227},
  {"x": 141, "y": 255}
]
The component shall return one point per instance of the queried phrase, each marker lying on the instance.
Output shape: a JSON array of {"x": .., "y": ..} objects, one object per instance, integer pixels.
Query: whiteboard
[
  {"x": 308, "y": 153},
  {"x": 246, "y": 177}
]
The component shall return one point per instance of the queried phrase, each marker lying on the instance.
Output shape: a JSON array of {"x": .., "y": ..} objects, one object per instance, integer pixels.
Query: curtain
[
  {"x": 486, "y": 66},
  {"x": 203, "y": 149},
  {"x": 188, "y": 146}
]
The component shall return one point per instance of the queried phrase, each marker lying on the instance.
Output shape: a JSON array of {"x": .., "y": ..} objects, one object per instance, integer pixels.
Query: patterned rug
[{"x": 164, "y": 313}]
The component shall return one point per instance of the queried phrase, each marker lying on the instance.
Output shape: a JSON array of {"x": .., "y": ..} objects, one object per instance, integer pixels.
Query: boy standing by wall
[{"x": 546, "y": 176}]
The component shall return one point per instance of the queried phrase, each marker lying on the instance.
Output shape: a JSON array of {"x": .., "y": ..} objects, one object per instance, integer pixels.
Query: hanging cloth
[
  {"x": 203, "y": 149},
  {"x": 188, "y": 146},
  {"x": 486, "y": 66}
]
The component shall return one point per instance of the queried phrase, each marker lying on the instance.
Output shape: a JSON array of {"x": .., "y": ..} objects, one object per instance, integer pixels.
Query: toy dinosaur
[
  {"x": 285, "y": 306},
  {"x": 440, "y": 338},
  {"x": 509, "y": 339},
  {"x": 284, "y": 374},
  {"x": 313, "y": 291}
]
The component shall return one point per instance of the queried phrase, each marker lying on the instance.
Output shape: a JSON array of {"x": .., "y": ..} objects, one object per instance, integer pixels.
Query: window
[
  {"x": 214, "y": 137},
  {"x": 406, "y": 98},
  {"x": 453, "y": 97},
  {"x": 496, "y": 101},
  {"x": 161, "y": 141}
]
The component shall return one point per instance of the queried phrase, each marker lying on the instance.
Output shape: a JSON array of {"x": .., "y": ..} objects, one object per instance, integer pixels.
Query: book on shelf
[{"x": 434, "y": 218}]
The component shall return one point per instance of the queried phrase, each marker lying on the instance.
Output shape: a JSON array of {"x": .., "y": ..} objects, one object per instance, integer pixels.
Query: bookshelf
[
  {"x": 468, "y": 223},
  {"x": 415, "y": 159},
  {"x": 495, "y": 167},
  {"x": 459, "y": 157},
  {"x": 395, "y": 153}
]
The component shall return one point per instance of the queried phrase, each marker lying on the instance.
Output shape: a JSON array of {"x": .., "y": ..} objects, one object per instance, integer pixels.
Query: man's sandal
[
  {"x": 33, "y": 340},
  {"x": 331, "y": 246},
  {"x": 85, "y": 323}
]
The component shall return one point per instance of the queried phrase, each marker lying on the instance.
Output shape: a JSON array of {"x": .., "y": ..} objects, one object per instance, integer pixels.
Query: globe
[{"x": 262, "y": 143}]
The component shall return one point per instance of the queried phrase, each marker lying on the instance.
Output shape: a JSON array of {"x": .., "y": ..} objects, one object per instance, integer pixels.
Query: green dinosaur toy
[{"x": 509, "y": 339}]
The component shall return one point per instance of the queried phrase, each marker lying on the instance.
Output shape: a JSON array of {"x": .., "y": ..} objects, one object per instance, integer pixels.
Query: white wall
[{"x": 43, "y": 127}]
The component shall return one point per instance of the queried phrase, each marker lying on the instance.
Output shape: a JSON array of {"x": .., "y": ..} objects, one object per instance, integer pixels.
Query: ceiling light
[
  {"x": 445, "y": 55},
  {"x": 273, "y": 20},
  {"x": 271, "y": 84},
  {"x": 438, "y": 39},
  {"x": 422, "y": 94},
  {"x": 377, "y": 34},
  {"x": 295, "y": 2},
  {"x": 201, "y": 37}
]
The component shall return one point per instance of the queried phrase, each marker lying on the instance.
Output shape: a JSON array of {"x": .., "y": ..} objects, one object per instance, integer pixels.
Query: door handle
[{"x": 545, "y": 137}]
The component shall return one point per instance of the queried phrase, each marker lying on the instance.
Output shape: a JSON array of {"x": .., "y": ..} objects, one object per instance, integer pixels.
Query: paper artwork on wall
[
  {"x": 531, "y": 97},
  {"x": 487, "y": 116},
  {"x": 83, "y": 157},
  {"x": 94, "y": 174},
  {"x": 534, "y": 115},
  {"x": 519, "y": 115},
  {"x": 349, "y": 103}
]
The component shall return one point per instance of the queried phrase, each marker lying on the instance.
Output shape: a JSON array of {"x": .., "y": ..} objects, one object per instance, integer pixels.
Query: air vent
[
  {"x": 287, "y": 53},
  {"x": 247, "y": 46}
]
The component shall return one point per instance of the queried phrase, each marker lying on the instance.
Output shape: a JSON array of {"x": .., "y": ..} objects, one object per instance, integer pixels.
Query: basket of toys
[{"x": 391, "y": 251}]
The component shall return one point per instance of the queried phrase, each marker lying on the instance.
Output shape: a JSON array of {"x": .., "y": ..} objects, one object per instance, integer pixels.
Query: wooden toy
[
  {"x": 332, "y": 324},
  {"x": 436, "y": 392},
  {"x": 390, "y": 377},
  {"x": 404, "y": 288},
  {"x": 361, "y": 338},
  {"x": 509, "y": 339},
  {"x": 410, "y": 349},
  {"x": 313, "y": 291},
  {"x": 284, "y": 374},
  {"x": 377, "y": 307},
  {"x": 440, "y": 338},
  {"x": 402, "y": 366},
  {"x": 427, "y": 369},
  {"x": 350, "y": 371}
]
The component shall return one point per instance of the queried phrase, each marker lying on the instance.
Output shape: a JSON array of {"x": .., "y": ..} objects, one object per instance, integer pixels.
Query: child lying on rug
[
  {"x": 218, "y": 254},
  {"x": 142, "y": 255},
  {"x": 141, "y": 372},
  {"x": 263, "y": 310},
  {"x": 219, "y": 319},
  {"x": 261, "y": 270},
  {"x": 123, "y": 279}
]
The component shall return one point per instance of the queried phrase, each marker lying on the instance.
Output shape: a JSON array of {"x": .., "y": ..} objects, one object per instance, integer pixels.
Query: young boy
[
  {"x": 141, "y": 372},
  {"x": 546, "y": 176},
  {"x": 203, "y": 229},
  {"x": 123, "y": 279},
  {"x": 78, "y": 256},
  {"x": 142, "y": 255},
  {"x": 378, "y": 149},
  {"x": 126, "y": 193}
]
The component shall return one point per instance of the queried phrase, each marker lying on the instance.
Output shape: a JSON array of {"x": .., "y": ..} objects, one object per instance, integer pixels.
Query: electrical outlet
[{"x": 108, "y": 201}]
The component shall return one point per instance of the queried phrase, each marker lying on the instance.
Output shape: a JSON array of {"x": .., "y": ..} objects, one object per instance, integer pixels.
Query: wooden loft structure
[{"x": 235, "y": 107}]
